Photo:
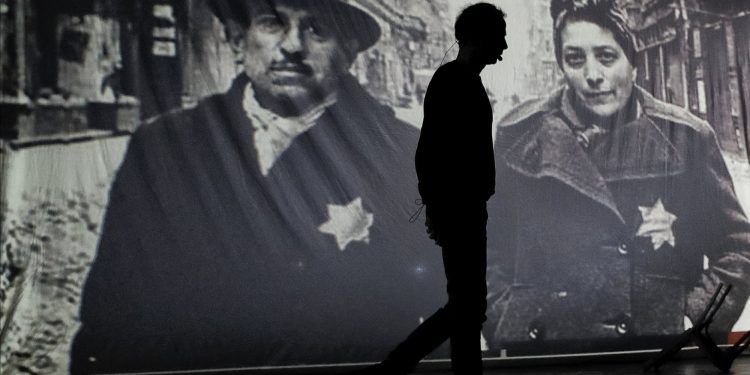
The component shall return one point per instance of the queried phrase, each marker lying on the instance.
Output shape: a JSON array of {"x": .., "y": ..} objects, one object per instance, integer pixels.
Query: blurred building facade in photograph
[{"x": 695, "y": 55}]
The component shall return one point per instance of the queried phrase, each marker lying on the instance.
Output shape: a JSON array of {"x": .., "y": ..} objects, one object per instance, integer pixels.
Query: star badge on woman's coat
[
  {"x": 657, "y": 224},
  {"x": 348, "y": 223}
]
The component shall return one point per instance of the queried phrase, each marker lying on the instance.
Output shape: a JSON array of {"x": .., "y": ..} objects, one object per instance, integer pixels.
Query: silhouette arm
[{"x": 437, "y": 158}]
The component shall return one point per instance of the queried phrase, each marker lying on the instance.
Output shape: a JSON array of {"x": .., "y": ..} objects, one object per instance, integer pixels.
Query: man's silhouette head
[{"x": 481, "y": 28}]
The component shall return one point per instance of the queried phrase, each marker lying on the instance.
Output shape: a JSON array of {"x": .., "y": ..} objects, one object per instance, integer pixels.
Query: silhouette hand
[{"x": 432, "y": 230}]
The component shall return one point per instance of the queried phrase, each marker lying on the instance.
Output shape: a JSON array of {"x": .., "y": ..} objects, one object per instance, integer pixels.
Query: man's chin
[
  {"x": 289, "y": 80},
  {"x": 290, "y": 92},
  {"x": 296, "y": 99}
]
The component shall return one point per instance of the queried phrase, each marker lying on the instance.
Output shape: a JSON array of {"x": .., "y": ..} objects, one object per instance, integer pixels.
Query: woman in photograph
[{"x": 616, "y": 211}]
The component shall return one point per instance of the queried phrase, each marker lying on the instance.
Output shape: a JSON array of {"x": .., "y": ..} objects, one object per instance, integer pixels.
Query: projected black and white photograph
[{"x": 218, "y": 184}]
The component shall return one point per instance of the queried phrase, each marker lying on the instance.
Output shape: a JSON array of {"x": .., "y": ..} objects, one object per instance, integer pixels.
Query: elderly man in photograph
[{"x": 268, "y": 225}]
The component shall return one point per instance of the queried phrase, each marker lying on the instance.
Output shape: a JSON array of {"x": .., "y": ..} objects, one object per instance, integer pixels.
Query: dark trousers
[{"x": 462, "y": 235}]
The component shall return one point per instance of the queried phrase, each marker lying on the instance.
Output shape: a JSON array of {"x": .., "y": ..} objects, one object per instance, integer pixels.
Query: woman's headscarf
[{"x": 605, "y": 13}]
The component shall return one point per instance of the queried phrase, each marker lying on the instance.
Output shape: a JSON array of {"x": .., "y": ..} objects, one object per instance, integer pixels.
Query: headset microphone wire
[{"x": 446, "y": 52}]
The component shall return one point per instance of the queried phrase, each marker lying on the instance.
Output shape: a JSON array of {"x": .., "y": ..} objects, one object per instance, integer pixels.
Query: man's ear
[
  {"x": 635, "y": 75},
  {"x": 235, "y": 34},
  {"x": 351, "y": 48}
]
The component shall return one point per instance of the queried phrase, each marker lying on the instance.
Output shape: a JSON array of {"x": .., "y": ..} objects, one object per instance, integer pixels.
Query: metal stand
[{"x": 722, "y": 359}]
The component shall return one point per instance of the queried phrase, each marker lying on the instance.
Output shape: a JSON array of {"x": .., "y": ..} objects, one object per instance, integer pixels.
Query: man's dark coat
[{"x": 205, "y": 262}]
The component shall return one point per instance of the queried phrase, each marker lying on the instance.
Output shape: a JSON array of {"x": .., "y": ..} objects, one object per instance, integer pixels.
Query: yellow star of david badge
[
  {"x": 348, "y": 223},
  {"x": 657, "y": 224}
]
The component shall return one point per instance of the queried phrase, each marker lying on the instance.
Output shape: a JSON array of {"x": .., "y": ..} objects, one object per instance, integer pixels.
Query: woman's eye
[
  {"x": 574, "y": 60},
  {"x": 270, "y": 24},
  {"x": 607, "y": 58}
]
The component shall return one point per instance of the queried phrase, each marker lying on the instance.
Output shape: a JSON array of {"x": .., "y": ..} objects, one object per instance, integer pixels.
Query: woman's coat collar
[{"x": 636, "y": 150}]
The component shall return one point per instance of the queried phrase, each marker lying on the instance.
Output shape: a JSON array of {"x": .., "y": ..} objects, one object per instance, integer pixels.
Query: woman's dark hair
[
  {"x": 478, "y": 22},
  {"x": 605, "y": 13}
]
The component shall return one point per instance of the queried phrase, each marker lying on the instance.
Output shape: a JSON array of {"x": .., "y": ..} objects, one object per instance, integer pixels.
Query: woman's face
[{"x": 596, "y": 67}]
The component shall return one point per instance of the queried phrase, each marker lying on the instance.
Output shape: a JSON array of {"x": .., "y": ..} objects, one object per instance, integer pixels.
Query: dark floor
[
  {"x": 694, "y": 364},
  {"x": 679, "y": 367}
]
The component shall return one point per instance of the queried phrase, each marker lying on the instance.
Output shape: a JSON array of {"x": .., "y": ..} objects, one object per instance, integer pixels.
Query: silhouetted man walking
[{"x": 456, "y": 170}]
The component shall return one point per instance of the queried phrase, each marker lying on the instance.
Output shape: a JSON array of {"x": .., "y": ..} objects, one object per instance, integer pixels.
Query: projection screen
[{"x": 200, "y": 184}]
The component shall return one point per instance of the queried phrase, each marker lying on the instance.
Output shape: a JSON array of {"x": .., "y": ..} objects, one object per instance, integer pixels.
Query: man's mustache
[{"x": 291, "y": 66}]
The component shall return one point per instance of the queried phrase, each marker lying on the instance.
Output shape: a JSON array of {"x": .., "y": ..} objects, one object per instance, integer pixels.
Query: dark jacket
[
  {"x": 454, "y": 158},
  {"x": 608, "y": 244},
  {"x": 204, "y": 262}
]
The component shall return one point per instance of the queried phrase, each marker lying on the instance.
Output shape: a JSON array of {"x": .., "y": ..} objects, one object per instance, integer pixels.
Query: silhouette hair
[
  {"x": 478, "y": 22},
  {"x": 605, "y": 13}
]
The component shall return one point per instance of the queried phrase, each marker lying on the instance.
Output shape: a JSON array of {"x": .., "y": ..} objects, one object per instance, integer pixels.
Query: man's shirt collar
[{"x": 273, "y": 134}]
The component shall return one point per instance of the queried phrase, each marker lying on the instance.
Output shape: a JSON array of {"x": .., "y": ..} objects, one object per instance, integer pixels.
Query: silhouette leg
[
  {"x": 465, "y": 261},
  {"x": 422, "y": 341}
]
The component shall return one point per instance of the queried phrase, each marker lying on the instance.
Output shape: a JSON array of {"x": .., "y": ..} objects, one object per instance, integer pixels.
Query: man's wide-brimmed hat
[{"x": 351, "y": 20}]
